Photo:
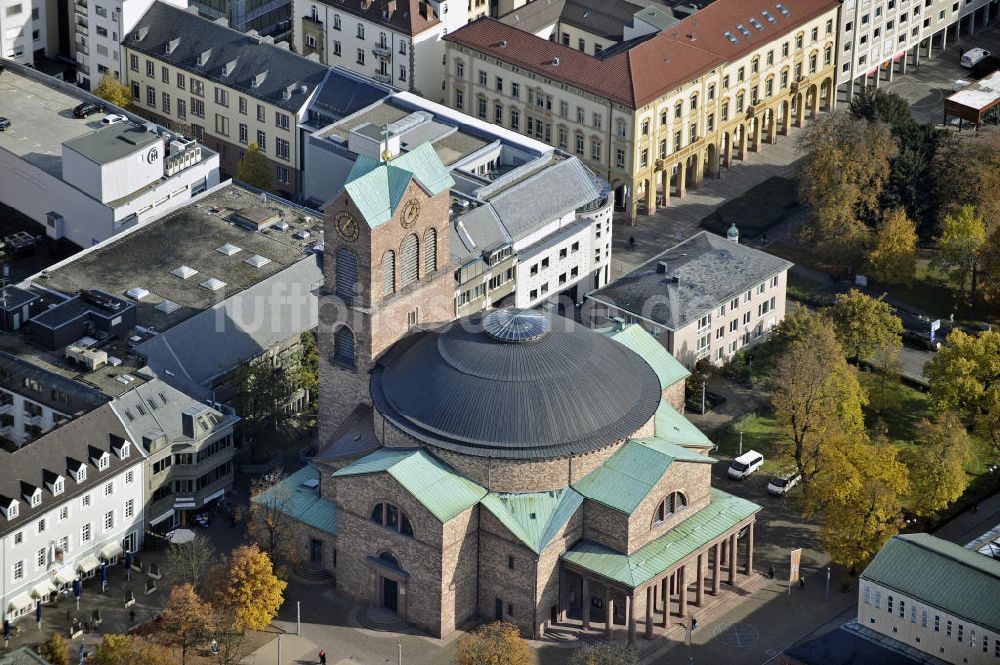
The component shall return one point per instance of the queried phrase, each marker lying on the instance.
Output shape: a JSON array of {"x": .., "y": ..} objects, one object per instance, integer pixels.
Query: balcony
[
  {"x": 381, "y": 51},
  {"x": 382, "y": 78}
]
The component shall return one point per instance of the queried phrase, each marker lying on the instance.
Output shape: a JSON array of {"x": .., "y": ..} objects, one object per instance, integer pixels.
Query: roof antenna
[{"x": 386, "y": 152}]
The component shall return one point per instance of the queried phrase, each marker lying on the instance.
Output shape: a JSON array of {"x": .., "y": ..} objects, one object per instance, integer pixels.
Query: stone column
[
  {"x": 716, "y": 569},
  {"x": 944, "y": 41},
  {"x": 609, "y": 616},
  {"x": 666, "y": 601},
  {"x": 401, "y": 609},
  {"x": 727, "y": 154},
  {"x": 772, "y": 127},
  {"x": 665, "y": 182},
  {"x": 724, "y": 546},
  {"x": 649, "y": 611},
  {"x": 682, "y": 179},
  {"x": 682, "y": 592},
  {"x": 630, "y": 619},
  {"x": 732, "y": 559},
  {"x": 750, "y": 549},
  {"x": 700, "y": 581},
  {"x": 651, "y": 194},
  {"x": 585, "y": 604},
  {"x": 699, "y": 170}
]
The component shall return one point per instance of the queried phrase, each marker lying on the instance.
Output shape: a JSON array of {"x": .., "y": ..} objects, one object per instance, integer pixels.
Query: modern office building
[
  {"x": 705, "y": 298},
  {"x": 83, "y": 180},
  {"x": 504, "y": 252},
  {"x": 934, "y": 596},
  {"x": 656, "y": 114}
]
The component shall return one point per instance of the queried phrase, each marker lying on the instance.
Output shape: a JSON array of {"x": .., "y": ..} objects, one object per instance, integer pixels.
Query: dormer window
[
  {"x": 57, "y": 487},
  {"x": 36, "y": 499},
  {"x": 103, "y": 461},
  {"x": 125, "y": 450},
  {"x": 81, "y": 474},
  {"x": 11, "y": 511}
]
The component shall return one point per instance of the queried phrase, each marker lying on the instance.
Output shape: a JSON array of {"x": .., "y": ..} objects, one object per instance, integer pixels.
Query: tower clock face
[
  {"x": 347, "y": 226},
  {"x": 411, "y": 211}
]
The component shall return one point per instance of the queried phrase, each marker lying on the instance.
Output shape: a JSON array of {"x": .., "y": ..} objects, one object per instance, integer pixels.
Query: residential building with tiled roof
[
  {"x": 661, "y": 111},
  {"x": 397, "y": 42},
  {"x": 921, "y": 592}
]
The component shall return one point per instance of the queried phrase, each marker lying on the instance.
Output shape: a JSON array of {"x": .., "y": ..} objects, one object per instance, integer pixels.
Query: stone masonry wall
[
  {"x": 692, "y": 478},
  {"x": 605, "y": 525},
  {"x": 513, "y": 587},
  {"x": 674, "y": 396},
  {"x": 458, "y": 569}
]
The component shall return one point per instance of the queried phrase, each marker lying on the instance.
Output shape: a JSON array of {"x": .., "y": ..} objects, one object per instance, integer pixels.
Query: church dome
[{"x": 514, "y": 384}]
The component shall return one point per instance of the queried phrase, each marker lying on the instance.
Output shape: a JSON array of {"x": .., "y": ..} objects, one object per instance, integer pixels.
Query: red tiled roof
[
  {"x": 636, "y": 76},
  {"x": 410, "y": 17}
]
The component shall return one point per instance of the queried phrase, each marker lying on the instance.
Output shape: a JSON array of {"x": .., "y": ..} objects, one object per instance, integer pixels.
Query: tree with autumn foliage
[
  {"x": 893, "y": 258},
  {"x": 186, "y": 620},
  {"x": 937, "y": 471},
  {"x": 113, "y": 90},
  {"x": 55, "y": 650},
  {"x": 497, "y": 643},
  {"x": 129, "y": 650},
  {"x": 250, "y": 589},
  {"x": 253, "y": 169},
  {"x": 864, "y": 325},
  {"x": 270, "y": 524}
]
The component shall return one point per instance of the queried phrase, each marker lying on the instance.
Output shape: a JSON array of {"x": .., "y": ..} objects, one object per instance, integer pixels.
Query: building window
[
  {"x": 197, "y": 87},
  {"x": 391, "y": 517},
  {"x": 197, "y": 108},
  {"x": 129, "y": 509},
  {"x": 388, "y": 273},
  {"x": 243, "y": 133},
  {"x": 150, "y": 69},
  {"x": 346, "y": 275},
  {"x": 221, "y": 124},
  {"x": 109, "y": 520},
  {"x": 18, "y": 571},
  {"x": 460, "y": 104},
  {"x": 181, "y": 108},
  {"x": 282, "y": 149},
  {"x": 133, "y": 62},
  {"x": 361, "y": 31},
  {"x": 409, "y": 260},
  {"x": 261, "y": 140},
  {"x": 595, "y": 150},
  {"x": 85, "y": 533},
  {"x": 343, "y": 346},
  {"x": 281, "y": 120},
  {"x": 620, "y": 158},
  {"x": 336, "y": 21},
  {"x": 671, "y": 504},
  {"x": 150, "y": 96},
  {"x": 109, "y": 489},
  {"x": 180, "y": 81}
]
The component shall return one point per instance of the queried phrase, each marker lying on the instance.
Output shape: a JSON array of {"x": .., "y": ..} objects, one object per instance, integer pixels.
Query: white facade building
[
  {"x": 393, "y": 41},
  {"x": 878, "y": 38},
  {"x": 100, "y": 27},
  {"x": 68, "y": 502},
  {"x": 86, "y": 181}
]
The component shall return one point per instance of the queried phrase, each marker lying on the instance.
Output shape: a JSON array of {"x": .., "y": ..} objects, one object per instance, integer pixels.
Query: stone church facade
[{"x": 509, "y": 465}]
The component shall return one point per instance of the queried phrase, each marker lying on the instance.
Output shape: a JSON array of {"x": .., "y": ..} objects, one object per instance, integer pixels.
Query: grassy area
[
  {"x": 809, "y": 291},
  {"x": 760, "y": 433},
  {"x": 748, "y": 212}
]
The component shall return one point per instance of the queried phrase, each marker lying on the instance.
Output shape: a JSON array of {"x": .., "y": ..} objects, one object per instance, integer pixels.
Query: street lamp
[{"x": 741, "y": 442}]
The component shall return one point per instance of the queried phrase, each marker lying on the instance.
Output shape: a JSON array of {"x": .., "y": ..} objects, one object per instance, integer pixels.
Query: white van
[
  {"x": 745, "y": 464},
  {"x": 971, "y": 57}
]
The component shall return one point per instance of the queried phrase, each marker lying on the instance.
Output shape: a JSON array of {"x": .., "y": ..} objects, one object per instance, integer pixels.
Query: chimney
[
  {"x": 661, "y": 267},
  {"x": 675, "y": 280},
  {"x": 618, "y": 324}
]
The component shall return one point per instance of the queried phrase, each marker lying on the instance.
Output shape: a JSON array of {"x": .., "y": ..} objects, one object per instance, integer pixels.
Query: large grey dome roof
[{"x": 561, "y": 391}]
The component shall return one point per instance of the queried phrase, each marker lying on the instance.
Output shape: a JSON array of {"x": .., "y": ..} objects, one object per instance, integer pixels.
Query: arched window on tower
[
  {"x": 410, "y": 260},
  {"x": 347, "y": 275},
  {"x": 673, "y": 503},
  {"x": 430, "y": 251},
  {"x": 343, "y": 346},
  {"x": 389, "y": 273}
]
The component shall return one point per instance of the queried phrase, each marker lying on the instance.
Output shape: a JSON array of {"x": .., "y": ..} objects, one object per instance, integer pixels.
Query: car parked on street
[
  {"x": 745, "y": 464},
  {"x": 780, "y": 485},
  {"x": 113, "y": 118},
  {"x": 4, "y": 124},
  {"x": 972, "y": 57}
]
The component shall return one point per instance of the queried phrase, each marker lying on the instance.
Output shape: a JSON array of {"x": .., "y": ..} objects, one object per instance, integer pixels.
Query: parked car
[
  {"x": 113, "y": 118},
  {"x": 87, "y": 109},
  {"x": 971, "y": 57},
  {"x": 780, "y": 485},
  {"x": 745, "y": 464},
  {"x": 4, "y": 124}
]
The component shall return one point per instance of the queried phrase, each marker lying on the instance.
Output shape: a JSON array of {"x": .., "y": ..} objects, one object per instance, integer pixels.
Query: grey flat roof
[
  {"x": 55, "y": 390},
  {"x": 41, "y": 119},
  {"x": 113, "y": 142},
  {"x": 709, "y": 270},
  {"x": 12, "y": 298},
  {"x": 191, "y": 236}
]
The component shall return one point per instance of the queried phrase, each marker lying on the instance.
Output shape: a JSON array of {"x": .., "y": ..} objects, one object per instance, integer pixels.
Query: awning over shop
[
  {"x": 165, "y": 516},
  {"x": 215, "y": 495},
  {"x": 88, "y": 563},
  {"x": 43, "y": 589},
  {"x": 110, "y": 551},
  {"x": 19, "y": 602},
  {"x": 184, "y": 504},
  {"x": 65, "y": 575}
]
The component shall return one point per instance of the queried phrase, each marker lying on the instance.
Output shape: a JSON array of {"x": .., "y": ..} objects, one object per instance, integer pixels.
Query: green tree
[
  {"x": 55, "y": 650},
  {"x": 262, "y": 390},
  {"x": 864, "y": 324},
  {"x": 963, "y": 235},
  {"x": 968, "y": 173},
  {"x": 185, "y": 621},
  {"x": 251, "y": 591},
  {"x": 893, "y": 258},
  {"x": 844, "y": 169},
  {"x": 496, "y": 643},
  {"x": 604, "y": 654},
  {"x": 112, "y": 90},
  {"x": 937, "y": 471},
  {"x": 306, "y": 375},
  {"x": 817, "y": 400},
  {"x": 253, "y": 169}
]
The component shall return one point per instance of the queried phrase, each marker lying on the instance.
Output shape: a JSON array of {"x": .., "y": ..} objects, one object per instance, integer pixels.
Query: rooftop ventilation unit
[
  {"x": 184, "y": 272},
  {"x": 769, "y": 16},
  {"x": 784, "y": 10},
  {"x": 555, "y": 62},
  {"x": 228, "y": 249},
  {"x": 137, "y": 293},
  {"x": 661, "y": 267},
  {"x": 257, "y": 261},
  {"x": 503, "y": 43},
  {"x": 212, "y": 284},
  {"x": 731, "y": 37},
  {"x": 168, "y": 306}
]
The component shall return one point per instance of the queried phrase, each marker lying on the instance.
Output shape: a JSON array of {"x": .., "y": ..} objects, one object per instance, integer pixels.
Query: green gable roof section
[
  {"x": 298, "y": 497},
  {"x": 625, "y": 479},
  {"x": 957, "y": 580},
  {"x": 434, "y": 484},
  {"x": 635, "y": 337},
  {"x": 672, "y": 426},
  {"x": 723, "y": 513},
  {"x": 377, "y": 187},
  {"x": 534, "y": 518}
]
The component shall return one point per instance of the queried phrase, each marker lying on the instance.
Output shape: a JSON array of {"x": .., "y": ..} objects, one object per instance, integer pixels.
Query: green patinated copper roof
[
  {"x": 431, "y": 482},
  {"x": 298, "y": 497},
  {"x": 377, "y": 188},
  {"x": 672, "y": 426},
  {"x": 534, "y": 518},
  {"x": 635, "y": 337},
  {"x": 625, "y": 479},
  {"x": 723, "y": 513},
  {"x": 957, "y": 580}
]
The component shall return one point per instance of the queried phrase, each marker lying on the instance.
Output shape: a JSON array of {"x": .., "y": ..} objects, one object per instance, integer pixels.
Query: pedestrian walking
[
  {"x": 770, "y": 571},
  {"x": 322, "y": 657},
  {"x": 802, "y": 583},
  {"x": 631, "y": 242},
  {"x": 131, "y": 616}
]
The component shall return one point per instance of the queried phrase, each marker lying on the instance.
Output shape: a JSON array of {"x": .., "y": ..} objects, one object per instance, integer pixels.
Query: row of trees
[
  {"x": 220, "y": 601},
  {"x": 500, "y": 643},
  {"x": 879, "y": 184},
  {"x": 854, "y": 480}
]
